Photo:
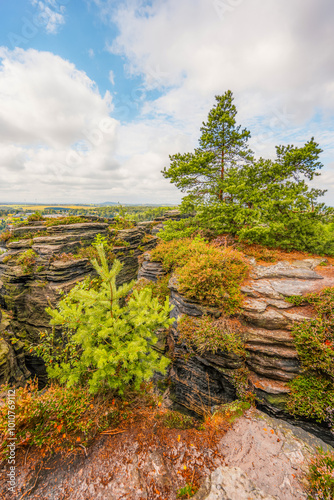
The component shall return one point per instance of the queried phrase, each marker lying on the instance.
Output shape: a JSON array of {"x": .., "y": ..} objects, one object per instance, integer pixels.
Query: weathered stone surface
[
  {"x": 230, "y": 483},
  {"x": 283, "y": 270},
  {"x": 150, "y": 270},
  {"x": 274, "y": 454},
  {"x": 13, "y": 370},
  {"x": 262, "y": 336}
]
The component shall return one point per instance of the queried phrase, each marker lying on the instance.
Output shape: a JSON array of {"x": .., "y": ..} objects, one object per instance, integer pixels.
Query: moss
[
  {"x": 234, "y": 410},
  {"x": 175, "y": 420},
  {"x": 312, "y": 393}
]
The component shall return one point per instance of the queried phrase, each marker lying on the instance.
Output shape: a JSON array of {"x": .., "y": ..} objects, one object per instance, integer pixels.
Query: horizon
[{"x": 95, "y": 96}]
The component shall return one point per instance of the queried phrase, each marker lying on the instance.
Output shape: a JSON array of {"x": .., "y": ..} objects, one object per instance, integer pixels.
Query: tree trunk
[{"x": 222, "y": 172}]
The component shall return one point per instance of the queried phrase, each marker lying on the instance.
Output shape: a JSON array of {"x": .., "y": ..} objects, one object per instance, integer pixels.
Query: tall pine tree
[{"x": 222, "y": 147}]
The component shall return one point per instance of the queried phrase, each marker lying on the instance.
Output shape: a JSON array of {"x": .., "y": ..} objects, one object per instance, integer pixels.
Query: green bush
[{"x": 27, "y": 260}]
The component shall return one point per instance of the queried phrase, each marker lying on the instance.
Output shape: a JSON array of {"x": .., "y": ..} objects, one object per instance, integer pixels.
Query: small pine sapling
[{"x": 106, "y": 336}]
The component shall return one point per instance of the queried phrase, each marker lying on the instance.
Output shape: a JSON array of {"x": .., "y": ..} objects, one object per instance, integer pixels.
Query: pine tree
[
  {"x": 264, "y": 201},
  {"x": 222, "y": 146},
  {"x": 106, "y": 335}
]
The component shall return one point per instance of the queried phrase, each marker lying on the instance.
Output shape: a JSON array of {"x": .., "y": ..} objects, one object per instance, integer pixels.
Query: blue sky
[{"x": 95, "y": 94}]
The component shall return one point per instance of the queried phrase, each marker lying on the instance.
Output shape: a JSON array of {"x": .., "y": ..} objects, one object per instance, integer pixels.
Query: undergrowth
[
  {"x": 205, "y": 273},
  {"x": 312, "y": 392},
  {"x": 210, "y": 334},
  {"x": 321, "y": 476},
  {"x": 159, "y": 289}
]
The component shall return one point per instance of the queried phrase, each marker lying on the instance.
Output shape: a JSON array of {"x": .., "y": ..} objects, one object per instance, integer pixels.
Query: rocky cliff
[
  {"x": 39, "y": 264},
  {"x": 205, "y": 380}
]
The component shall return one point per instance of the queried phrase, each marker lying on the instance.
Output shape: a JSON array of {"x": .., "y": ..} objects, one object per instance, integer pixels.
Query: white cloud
[
  {"x": 111, "y": 77},
  {"x": 51, "y": 15},
  {"x": 275, "y": 56},
  {"x": 91, "y": 53},
  {"x": 58, "y": 140}
]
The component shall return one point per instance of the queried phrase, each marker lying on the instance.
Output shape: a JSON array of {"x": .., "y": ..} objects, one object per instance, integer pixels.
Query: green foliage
[
  {"x": 205, "y": 272},
  {"x": 312, "y": 393},
  {"x": 311, "y": 396},
  {"x": 233, "y": 410},
  {"x": 37, "y": 216},
  {"x": 27, "y": 260},
  {"x": 321, "y": 476},
  {"x": 260, "y": 201},
  {"x": 187, "y": 491},
  {"x": 121, "y": 223},
  {"x": 105, "y": 344},
  {"x": 210, "y": 334}
]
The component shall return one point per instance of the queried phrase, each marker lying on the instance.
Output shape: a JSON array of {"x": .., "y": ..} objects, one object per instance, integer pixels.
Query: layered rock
[
  {"x": 272, "y": 360},
  {"x": 26, "y": 289}
]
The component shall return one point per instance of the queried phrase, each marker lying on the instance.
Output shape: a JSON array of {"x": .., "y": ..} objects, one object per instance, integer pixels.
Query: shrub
[
  {"x": 57, "y": 417},
  {"x": 205, "y": 272},
  {"x": 27, "y": 260},
  {"x": 209, "y": 334},
  {"x": 176, "y": 253},
  {"x": 103, "y": 343},
  {"x": 214, "y": 278},
  {"x": 60, "y": 221},
  {"x": 321, "y": 476},
  {"x": 5, "y": 236},
  {"x": 37, "y": 216}
]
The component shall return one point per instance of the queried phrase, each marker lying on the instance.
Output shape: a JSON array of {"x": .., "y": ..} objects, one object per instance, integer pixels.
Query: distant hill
[{"x": 106, "y": 204}]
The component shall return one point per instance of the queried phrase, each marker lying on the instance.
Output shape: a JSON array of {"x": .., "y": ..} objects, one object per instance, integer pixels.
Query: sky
[{"x": 96, "y": 94}]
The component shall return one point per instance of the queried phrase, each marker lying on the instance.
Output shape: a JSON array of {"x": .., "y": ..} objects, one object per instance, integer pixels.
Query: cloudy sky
[{"x": 95, "y": 94}]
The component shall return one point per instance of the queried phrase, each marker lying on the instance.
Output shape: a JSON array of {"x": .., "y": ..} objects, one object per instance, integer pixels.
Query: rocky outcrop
[
  {"x": 202, "y": 381},
  {"x": 27, "y": 287},
  {"x": 230, "y": 483},
  {"x": 263, "y": 451}
]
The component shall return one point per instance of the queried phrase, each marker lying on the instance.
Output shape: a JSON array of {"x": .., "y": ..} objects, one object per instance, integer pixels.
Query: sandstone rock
[
  {"x": 230, "y": 483},
  {"x": 12, "y": 365},
  {"x": 283, "y": 270}
]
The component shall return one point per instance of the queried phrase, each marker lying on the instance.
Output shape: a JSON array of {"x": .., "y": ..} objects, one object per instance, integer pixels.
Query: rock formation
[
  {"x": 202, "y": 381},
  {"x": 28, "y": 286}
]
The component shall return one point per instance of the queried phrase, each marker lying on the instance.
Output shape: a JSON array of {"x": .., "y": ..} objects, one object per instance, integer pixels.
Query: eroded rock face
[
  {"x": 27, "y": 291},
  {"x": 267, "y": 319}
]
